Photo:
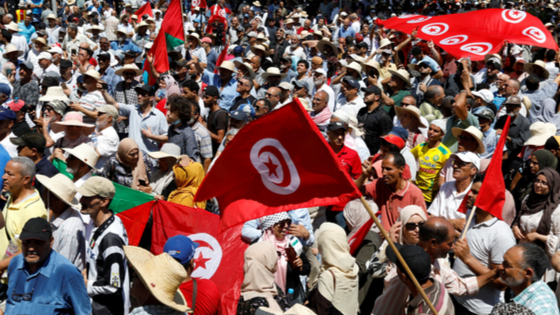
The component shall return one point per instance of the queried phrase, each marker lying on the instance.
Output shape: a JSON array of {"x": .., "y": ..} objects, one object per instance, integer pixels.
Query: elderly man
[
  {"x": 320, "y": 84},
  {"x": 430, "y": 107},
  {"x": 106, "y": 139},
  {"x": 537, "y": 96},
  {"x": 72, "y": 41},
  {"x": 23, "y": 204},
  {"x": 225, "y": 81},
  {"x": 39, "y": 259}
]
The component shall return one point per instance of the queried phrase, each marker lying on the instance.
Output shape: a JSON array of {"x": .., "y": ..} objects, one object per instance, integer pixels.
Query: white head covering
[
  {"x": 356, "y": 215},
  {"x": 407, "y": 213},
  {"x": 440, "y": 123},
  {"x": 259, "y": 269}
]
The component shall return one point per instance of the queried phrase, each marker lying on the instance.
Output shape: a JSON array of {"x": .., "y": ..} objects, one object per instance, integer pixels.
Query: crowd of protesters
[{"x": 414, "y": 127}]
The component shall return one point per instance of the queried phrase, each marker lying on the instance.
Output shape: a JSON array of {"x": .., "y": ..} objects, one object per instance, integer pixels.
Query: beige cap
[
  {"x": 108, "y": 109},
  {"x": 97, "y": 186},
  {"x": 84, "y": 153}
]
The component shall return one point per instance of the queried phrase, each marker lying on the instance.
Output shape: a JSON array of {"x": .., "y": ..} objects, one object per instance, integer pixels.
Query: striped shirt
[
  {"x": 204, "y": 142},
  {"x": 437, "y": 294},
  {"x": 69, "y": 237},
  {"x": 539, "y": 298}
]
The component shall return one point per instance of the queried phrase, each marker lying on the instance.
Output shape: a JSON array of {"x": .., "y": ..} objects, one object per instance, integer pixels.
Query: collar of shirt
[
  {"x": 460, "y": 195},
  {"x": 488, "y": 223},
  {"x": 45, "y": 270},
  {"x": 60, "y": 219}
]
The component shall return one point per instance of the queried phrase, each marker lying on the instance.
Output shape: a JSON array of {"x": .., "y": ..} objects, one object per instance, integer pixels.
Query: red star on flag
[
  {"x": 200, "y": 261},
  {"x": 271, "y": 168}
]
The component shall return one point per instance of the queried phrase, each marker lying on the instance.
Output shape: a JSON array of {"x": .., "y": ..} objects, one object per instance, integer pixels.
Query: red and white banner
[
  {"x": 220, "y": 255},
  {"x": 478, "y": 33}
]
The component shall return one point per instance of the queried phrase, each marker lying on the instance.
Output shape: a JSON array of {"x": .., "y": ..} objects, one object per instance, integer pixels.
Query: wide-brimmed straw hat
[
  {"x": 73, "y": 119},
  {"x": 244, "y": 65},
  {"x": 473, "y": 131},
  {"x": 260, "y": 48},
  {"x": 228, "y": 65},
  {"x": 385, "y": 42},
  {"x": 273, "y": 71},
  {"x": 325, "y": 42},
  {"x": 411, "y": 110},
  {"x": 161, "y": 275},
  {"x": 402, "y": 74},
  {"x": 374, "y": 64},
  {"x": 93, "y": 74},
  {"x": 540, "y": 132},
  {"x": 84, "y": 153},
  {"x": 195, "y": 36},
  {"x": 42, "y": 41},
  {"x": 126, "y": 68},
  {"x": 538, "y": 63},
  {"x": 141, "y": 24},
  {"x": 62, "y": 187},
  {"x": 11, "y": 48},
  {"x": 95, "y": 28},
  {"x": 54, "y": 93},
  {"x": 356, "y": 67},
  {"x": 12, "y": 26}
]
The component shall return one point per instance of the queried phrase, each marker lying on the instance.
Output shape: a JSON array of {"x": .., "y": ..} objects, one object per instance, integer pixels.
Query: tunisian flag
[
  {"x": 145, "y": 9},
  {"x": 277, "y": 163},
  {"x": 492, "y": 194},
  {"x": 199, "y": 3},
  {"x": 219, "y": 257},
  {"x": 459, "y": 36}
]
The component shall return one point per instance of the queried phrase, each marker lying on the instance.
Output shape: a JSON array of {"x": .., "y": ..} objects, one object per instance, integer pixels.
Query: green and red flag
[{"x": 170, "y": 36}]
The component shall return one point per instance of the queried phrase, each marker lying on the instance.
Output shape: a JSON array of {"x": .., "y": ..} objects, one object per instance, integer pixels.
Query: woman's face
[
  {"x": 534, "y": 165},
  {"x": 280, "y": 229},
  {"x": 73, "y": 132},
  {"x": 541, "y": 185},
  {"x": 411, "y": 230},
  {"x": 132, "y": 156}
]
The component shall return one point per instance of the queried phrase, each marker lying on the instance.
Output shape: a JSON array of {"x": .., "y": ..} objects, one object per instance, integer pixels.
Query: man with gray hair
[
  {"x": 24, "y": 203},
  {"x": 72, "y": 41}
]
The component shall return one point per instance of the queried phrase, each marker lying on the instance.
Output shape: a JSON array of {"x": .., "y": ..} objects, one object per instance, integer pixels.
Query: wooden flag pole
[
  {"x": 399, "y": 257},
  {"x": 468, "y": 223},
  {"x": 183, "y": 20}
]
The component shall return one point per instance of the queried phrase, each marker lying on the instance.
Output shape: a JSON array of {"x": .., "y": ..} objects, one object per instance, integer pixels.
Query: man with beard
[
  {"x": 279, "y": 45},
  {"x": 319, "y": 82},
  {"x": 294, "y": 48},
  {"x": 105, "y": 139},
  {"x": 107, "y": 72},
  {"x": 217, "y": 119},
  {"x": 522, "y": 270}
]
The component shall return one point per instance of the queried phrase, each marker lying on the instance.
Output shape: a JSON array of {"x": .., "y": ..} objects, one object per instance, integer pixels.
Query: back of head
[
  {"x": 433, "y": 92},
  {"x": 434, "y": 228},
  {"x": 333, "y": 246},
  {"x": 532, "y": 82},
  {"x": 535, "y": 258}
]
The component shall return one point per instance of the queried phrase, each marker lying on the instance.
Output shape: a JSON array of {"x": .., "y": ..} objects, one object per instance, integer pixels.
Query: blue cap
[
  {"x": 351, "y": 81},
  {"x": 400, "y": 132},
  {"x": 247, "y": 109},
  {"x": 5, "y": 89},
  {"x": 181, "y": 248},
  {"x": 238, "y": 50},
  {"x": 246, "y": 15},
  {"x": 239, "y": 115},
  {"x": 6, "y": 114}
]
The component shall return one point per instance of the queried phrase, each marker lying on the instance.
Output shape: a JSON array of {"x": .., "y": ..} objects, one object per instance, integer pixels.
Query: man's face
[
  {"x": 274, "y": 80},
  {"x": 28, "y": 20},
  {"x": 92, "y": 205},
  {"x": 36, "y": 251},
  {"x": 336, "y": 137},
  {"x": 188, "y": 94},
  {"x": 475, "y": 188},
  {"x": 348, "y": 90},
  {"x": 25, "y": 152},
  {"x": 491, "y": 70},
  {"x": 72, "y": 33},
  {"x": 260, "y": 109},
  {"x": 424, "y": 69},
  {"x": 300, "y": 91},
  {"x": 242, "y": 86},
  {"x": 6, "y": 20},
  {"x": 511, "y": 272},
  {"x": 512, "y": 109},
  {"x": 509, "y": 88},
  {"x": 391, "y": 173},
  {"x": 103, "y": 62},
  {"x": 273, "y": 96},
  {"x": 279, "y": 33},
  {"x": 466, "y": 142},
  {"x": 462, "y": 170},
  {"x": 319, "y": 102},
  {"x": 346, "y": 22},
  {"x": 104, "y": 44},
  {"x": 13, "y": 180},
  {"x": 25, "y": 73},
  {"x": 301, "y": 68},
  {"x": 208, "y": 101},
  {"x": 44, "y": 63}
]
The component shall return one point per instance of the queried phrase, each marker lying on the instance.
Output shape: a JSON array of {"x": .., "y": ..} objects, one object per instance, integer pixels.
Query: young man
[
  {"x": 106, "y": 276},
  {"x": 217, "y": 122},
  {"x": 431, "y": 156},
  {"x": 375, "y": 120}
]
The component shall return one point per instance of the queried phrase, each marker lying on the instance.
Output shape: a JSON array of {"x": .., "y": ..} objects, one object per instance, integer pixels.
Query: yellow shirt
[
  {"x": 16, "y": 215},
  {"x": 430, "y": 162}
]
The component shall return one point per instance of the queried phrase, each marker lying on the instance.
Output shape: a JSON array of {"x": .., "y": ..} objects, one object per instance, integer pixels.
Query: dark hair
[
  {"x": 267, "y": 103},
  {"x": 437, "y": 231},
  {"x": 416, "y": 51},
  {"x": 305, "y": 63},
  {"x": 182, "y": 105},
  {"x": 551, "y": 144},
  {"x": 535, "y": 258},
  {"x": 196, "y": 108},
  {"x": 191, "y": 85},
  {"x": 482, "y": 86},
  {"x": 248, "y": 79},
  {"x": 479, "y": 177},
  {"x": 550, "y": 55},
  {"x": 532, "y": 82},
  {"x": 398, "y": 159},
  {"x": 7, "y": 35},
  {"x": 447, "y": 106},
  {"x": 469, "y": 101}
]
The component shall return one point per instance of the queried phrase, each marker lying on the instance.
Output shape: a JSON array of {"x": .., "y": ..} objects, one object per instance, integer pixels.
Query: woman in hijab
[
  {"x": 540, "y": 159},
  {"x": 130, "y": 167},
  {"x": 290, "y": 266},
  {"x": 356, "y": 217},
  {"x": 336, "y": 289},
  {"x": 258, "y": 287},
  {"x": 162, "y": 181},
  {"x": 538, "y": 220},
  {"x": 405, "y": 232},
  {"x": 167, "y": 87},
  {"x": 188, "y": 177}
]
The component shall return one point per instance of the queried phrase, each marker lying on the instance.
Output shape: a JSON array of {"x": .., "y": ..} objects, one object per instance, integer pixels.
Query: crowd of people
[{"x": 414, "y": 127}]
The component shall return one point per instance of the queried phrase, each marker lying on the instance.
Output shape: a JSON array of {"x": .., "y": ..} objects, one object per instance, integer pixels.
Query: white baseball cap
[
  {"x": 468, "y": 157},
  {"x": 44, "y": 55},
  {"x": 485, "y": 95},
  {"x": 321, "y": 71}
]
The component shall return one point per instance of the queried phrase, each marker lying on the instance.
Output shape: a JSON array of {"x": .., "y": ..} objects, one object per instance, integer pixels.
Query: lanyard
[{"x": 100, "y": 231}]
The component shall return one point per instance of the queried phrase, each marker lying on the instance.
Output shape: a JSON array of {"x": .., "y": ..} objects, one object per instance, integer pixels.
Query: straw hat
[
  {"x": 84, "y": 153},
  {"x": 228, "y": 65},
  {"x": 358, "y": 59},
  {"x": 261, "y": 36},
  {"x": 93, "y": 74},
  {"x": 540, "y": 132},
  {"x": 538, "y": 63},
  {"x": 297, "y": 309},
  {"x": 195, "y": 36},
  {"x": 95, "y": 28},
  {"x": 167, "y": 150},
  {"x": 412, "y": 110},
  {"x": 42, "y": 41},
  {"x": 73, "y": 119},
  {"x": 129, "y": 67},
  {"x": 54, "y": 93},
  {"x": 161, "y": 275},
  {"x": 261, "y": 48},
  {"x": 355, "y": 66},
  {"x": 257, "y": 4},
  {"x": 273, "y": 71},
  {"x": 473, "y": 131},
  {"x": 289, "y": 21},
  {"x": 13, "y": 27},
  {"x": 384, "y": 43},
  {"x": 51, "y": 16},
  {"x": 402, "y": 74},
  {"x": 62, "y": 187},
  {"x": 325, "y": 42},
  {"x": 248, "y": 67},
  {"x": 70, "y": 2},
  {"x": 305, "y": 104},
  {"x": 141, "y": 24},
  {"x": 11, "y": 48},
  {"x": 492, "y": 56}
]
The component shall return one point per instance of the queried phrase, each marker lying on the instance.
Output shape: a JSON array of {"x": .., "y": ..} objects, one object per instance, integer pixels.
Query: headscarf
[
  {"x": 406, "y": 214},
  {"x": 138, "y": 169},
  {"x": 258, "y": 269},
  {"x": 545, "y": 159},
  {"x": 267, "y": 224},
  {"x": 172, "y": 86},
  {"x": 160, "y": 180},
  {"x": 336, "y": 258},
  {"x": 356, "y": 215},
  {"x": 323, "y": 118},
  {"x": 545, "y": 203},
  {"x": 188, "y": 179}
]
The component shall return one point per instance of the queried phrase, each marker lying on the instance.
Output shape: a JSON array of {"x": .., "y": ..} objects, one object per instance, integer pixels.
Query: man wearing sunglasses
[
  {"x": 420, "y": 85},
  {"x": 244, "y": 86}
]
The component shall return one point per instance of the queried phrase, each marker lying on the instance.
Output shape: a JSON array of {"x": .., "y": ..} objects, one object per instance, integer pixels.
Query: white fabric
[
  {"x": 9, "y": 146},
  {"x": 448, "y": 201},
  {"x": 107, "y": 143}
]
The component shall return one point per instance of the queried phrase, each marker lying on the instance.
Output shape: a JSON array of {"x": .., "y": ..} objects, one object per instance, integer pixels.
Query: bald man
[{"x": 273, "y": 94}]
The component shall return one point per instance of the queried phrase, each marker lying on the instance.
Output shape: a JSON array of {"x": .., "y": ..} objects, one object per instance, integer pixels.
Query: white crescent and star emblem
[
  {"x": 435, "y": 29},
  {"x": 454, "y": 40},
  {"x": 195, "y": 3},
  {"x": 207, "y": 257},
  {"x": 480, "y": 49},
  {"x": 513, "y": 16},
  {"x": 535, "y": 33},
  {"x": 278, "y": 171},
  {"x": 419, "y": 20}
]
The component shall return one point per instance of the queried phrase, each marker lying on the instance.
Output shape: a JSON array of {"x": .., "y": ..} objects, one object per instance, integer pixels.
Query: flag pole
[
  {"x": 399, "y": 257},
  {"x": 469, "y": 220},
  {"x": 183, "y": 20}
]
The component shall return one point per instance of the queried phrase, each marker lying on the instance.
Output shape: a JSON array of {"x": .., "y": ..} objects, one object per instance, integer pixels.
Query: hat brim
[
  {"x": 321, "y": 47},
  {"x": 20, "y": 53},
  {"x": 528, "y": 67},
  {"x": 122, "y": 70},
  {"x": 136, "y": 256},
  {"x": 17, "y": 142},
  {"x": 75, "y": 154},
  {"x": 47, "y": 183},
  {"x": 406, "y": 81},
  {"x": 538, "y": 140},
  {"x": 59, "y": 126},
  {"x": 266, "y": 75},
  {"x": 238, "y": 64},
  {"x": 457, "y": 132},
  {"x": 161, "y": 155},
  {"x": 254, "y": 49},
  {"x": 401, "y": 110}
]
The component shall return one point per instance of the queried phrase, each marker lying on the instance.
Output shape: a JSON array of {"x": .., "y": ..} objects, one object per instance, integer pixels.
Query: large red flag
[
  {"x": 356, "y": 240},
  {"x": 220, "y": 255},
  {"x": 221, "y": 59},
  {"x": 277, "y": 163},
  {"x": 145, "y": 9},
  {"x": 459, "y": 36},
  {"x": 199, "y": 3}
]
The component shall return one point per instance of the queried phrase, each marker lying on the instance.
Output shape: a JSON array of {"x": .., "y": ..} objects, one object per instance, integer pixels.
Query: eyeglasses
[
  {"x": 241, "y": 83},
  {"x": 26, "y": 296},
  {"x": 413, "y": 226},
  {"x": 258, "y": 108},
  {"x": 129, "y": 74},
  {"x": 464, "y": 138},
  {"x": 48, "y": 109},
  {"x": 541, "y": 183},
  {"x": 405, "y": 104}
]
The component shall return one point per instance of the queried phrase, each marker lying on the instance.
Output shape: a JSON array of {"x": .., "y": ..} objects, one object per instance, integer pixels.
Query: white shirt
[
  {"x": 351, "y": 108},
  {"x": 329, "y": 91},
  {"x": 200, "y": 53},
  {"x": 107, "y": 143},
  {"x": 448, "y": 201},
  {"x": 20, "y": 42},
  {"x": 9, "y": 146},
  {"x": 298, "y": 52},
  {"x": 356, "y": 26}
]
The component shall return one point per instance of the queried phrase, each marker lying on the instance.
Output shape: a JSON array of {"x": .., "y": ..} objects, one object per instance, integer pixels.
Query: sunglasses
[
  {"x": 129, "y": 74},
  {"x": 464, "y": 138},
  {"x": 271, "y": 95},
  {"x": 413, "y": 226}
]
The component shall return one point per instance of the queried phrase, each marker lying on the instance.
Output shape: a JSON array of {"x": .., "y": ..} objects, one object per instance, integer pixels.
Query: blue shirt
[
  {"x": 111, "y": 79},
  {"x": 136, "y": 122},
  {"x": 228, "y": 94},
  {"x": 539, "y": 298},
  {"x": 490, "y": 141},
  {"x": 346, "y": 32},
  {"x": 26, "y": 31},
  {"x": 58, "y": 288},
  {"x": 37, "y": 10},
  {"x": 251, "y": 229},
  {"x": 4, "y": 158},
  {"x": 127, "y": 45},
  {"x": 211, "y": 59}
]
